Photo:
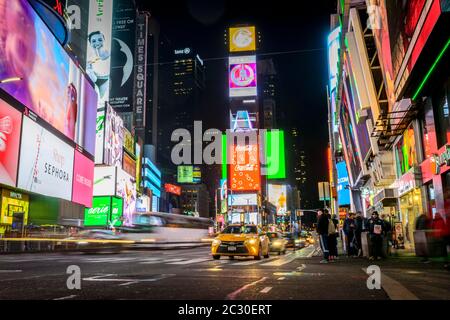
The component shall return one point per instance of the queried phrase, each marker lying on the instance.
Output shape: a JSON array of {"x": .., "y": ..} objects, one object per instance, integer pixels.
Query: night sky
[{"x": 285, "y": 27}]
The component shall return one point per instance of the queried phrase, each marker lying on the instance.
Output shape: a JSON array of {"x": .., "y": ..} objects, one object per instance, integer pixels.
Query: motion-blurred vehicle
[
  {"x": 293, "y": 242},
  {"x": 241, "y": 240},
  {"x": 94, "y": 240},
  {"x": 307, "y": 237},
  {"x": 277, "y": 242},
  {"x": 166, "y": 228}
]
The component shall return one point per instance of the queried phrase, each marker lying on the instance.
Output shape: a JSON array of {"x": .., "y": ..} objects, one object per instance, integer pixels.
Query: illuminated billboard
[
  {"x": 98, "y": 52},
  {"x": 51, "y": 84},
  {"x": 10, "y": 127},
  {"x": 244, "y": 168},
  {"x": 242, "y": 39},
  {"x": 275, "y": 155},
  {"x": 83, "y": 180},
  {"x": 113, "y": 138},
  {"x": 129, "y": 164},
  {"x": 104, "y": 181},
  {"x": 126, "y": 189},
  {"x": 343, "y": 188},
  {"x": 189, "y": 174},
  {"x": 242, "y": 199},
  {"x": 242, "y": 76},
  {"x": 46, "y": 162},
  {"x": 105, "y": 211},
  {"x": 277, "y": 195},
  {"x": 171, "y": 188}
]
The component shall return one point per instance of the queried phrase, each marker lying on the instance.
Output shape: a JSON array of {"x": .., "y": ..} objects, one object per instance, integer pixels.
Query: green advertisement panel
[
  {"x": 104, "y": 210},
  {"x": 185, "y": 174},
  {"x": 275, "y": 154}
]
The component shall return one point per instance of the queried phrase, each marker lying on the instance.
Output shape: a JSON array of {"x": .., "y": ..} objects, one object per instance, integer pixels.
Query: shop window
[
  {"x": 442, "y": 115},
  {"x": 431, "y": 199}
]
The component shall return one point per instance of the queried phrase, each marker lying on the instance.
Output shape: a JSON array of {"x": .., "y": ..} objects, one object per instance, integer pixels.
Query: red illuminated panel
[
  {"x": 10, "y": 125},
  {"x": 171, "y": 188},
  {"x": 430, "y": 22},
  {"x": 245, "y": 168}
]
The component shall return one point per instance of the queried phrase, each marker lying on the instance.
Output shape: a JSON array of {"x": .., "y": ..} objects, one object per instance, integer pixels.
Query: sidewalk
[{"x": 404, "y": 276}]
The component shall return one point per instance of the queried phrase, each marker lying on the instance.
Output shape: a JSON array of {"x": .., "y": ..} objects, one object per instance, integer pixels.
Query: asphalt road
[{"x": 191, "y": 274}]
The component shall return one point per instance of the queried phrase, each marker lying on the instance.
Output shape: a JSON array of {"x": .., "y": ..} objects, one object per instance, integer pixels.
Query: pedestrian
[
  {"x": 332, "y": 237},
  {"x": 440, "y": 237},
  {"x": 322, "y": 230},
  {"x": 360, "y": 227},
  {"x": 387, "y": 231},
  {"x": 376, "y": 230},
  {"x": 423, "y": 223},
  {"x": 350, "y": 227}
]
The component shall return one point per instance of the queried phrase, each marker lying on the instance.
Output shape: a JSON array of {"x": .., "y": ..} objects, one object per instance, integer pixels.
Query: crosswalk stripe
[
  {"x": 280, "y": 262},
  {"x": 247, "y": 263},
  {"x": 190, "y": 261}
]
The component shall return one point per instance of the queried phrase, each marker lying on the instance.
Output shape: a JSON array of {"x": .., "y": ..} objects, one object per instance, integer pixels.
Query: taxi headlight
[
  {"x": 277, "y": 243},
  {"x": 216, "y": 242},
  {"x": 252, "y": 241}
]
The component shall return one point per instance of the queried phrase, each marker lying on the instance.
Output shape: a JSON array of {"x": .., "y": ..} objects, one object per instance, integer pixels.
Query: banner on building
[
  {"x": 140, "y": 73},
  {"x": 122, "y": 56}
]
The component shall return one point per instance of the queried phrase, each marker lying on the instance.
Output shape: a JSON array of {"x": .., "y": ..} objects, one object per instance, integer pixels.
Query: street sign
[{"x": 324, "y": 191}]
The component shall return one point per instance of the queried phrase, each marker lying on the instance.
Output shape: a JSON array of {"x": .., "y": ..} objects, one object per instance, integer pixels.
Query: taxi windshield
[{"x": 239, "y": 229}]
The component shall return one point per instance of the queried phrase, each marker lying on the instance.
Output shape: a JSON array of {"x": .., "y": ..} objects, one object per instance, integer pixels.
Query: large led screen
[
  {"x": 242, "y": 76},
  {"x": 51, "y": 85},
  {"x": 343, "y": 188},
  {"x": 245, "y": 168},
  {"x": 242, "y": 199},
  {"x": 83, "y": 180},
  {"x": 104, "y": 181},
  {"x": 10, "y": 126},
  {"x": 46, "y": 162},
  {"x": 277, "y": 195},
  {"x": 242, "y": 39},
  {"x": 275, "y": 155},
  {"x": 126, "y": 189},
  {"x": 113, "y": 138}
]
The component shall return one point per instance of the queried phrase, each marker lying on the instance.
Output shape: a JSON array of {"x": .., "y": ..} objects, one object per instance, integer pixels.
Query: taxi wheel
[
  {"x": 216, "y": 257},
  {"x": 258, "y": 257}
]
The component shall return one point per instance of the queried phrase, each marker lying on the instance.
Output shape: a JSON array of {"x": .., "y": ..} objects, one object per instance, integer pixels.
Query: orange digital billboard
[{"x": 244, "y": 168}]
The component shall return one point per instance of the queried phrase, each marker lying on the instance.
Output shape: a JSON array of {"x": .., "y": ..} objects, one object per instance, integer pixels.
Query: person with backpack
[
  {"x": 322, "y": 230},
  {"x": 332, "y": 237}
]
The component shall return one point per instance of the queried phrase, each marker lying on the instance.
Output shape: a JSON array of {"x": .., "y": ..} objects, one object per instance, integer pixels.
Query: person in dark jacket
[
  {"x": 322, "y": 230},
  {"x": 423, "y": 223},
  {"x": 350, "y": 227},
  {"x": 332, "y": 238},
  {"x": 360, "y": 227},
  {"x": 376, "y": 231}
]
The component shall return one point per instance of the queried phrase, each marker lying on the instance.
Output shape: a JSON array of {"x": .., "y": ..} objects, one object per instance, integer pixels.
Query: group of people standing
[{"x": 354, "y": 225}]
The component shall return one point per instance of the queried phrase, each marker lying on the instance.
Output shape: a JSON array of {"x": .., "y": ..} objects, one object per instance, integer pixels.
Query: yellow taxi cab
[{"x": 241, "y": 240}]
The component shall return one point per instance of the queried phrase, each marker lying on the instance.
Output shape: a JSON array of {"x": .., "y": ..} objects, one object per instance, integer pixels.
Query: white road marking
[
  {"x": 65, "y": 298},
  {"x": 394, "y": 289},
  {"x": 104, "y": 278},
  {"x": 280, "y": 262},
  {"x": 190, "y": 261},
  {"x": 299, "y": 269},
  {"x": 10, "y": 271},
  {"x": 281, "y": 278},
  {"x": 266, "y": 289},
  {"x": 233, "y": 295},
  {"x": 247, "y": 263}
]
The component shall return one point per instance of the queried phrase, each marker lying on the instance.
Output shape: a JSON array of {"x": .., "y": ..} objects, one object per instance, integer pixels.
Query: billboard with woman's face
[{"x": 51, "y": 84}]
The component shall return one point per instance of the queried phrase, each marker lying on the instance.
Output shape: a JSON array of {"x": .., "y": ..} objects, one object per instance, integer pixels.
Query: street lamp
[{"x": 12, "y": 79}]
